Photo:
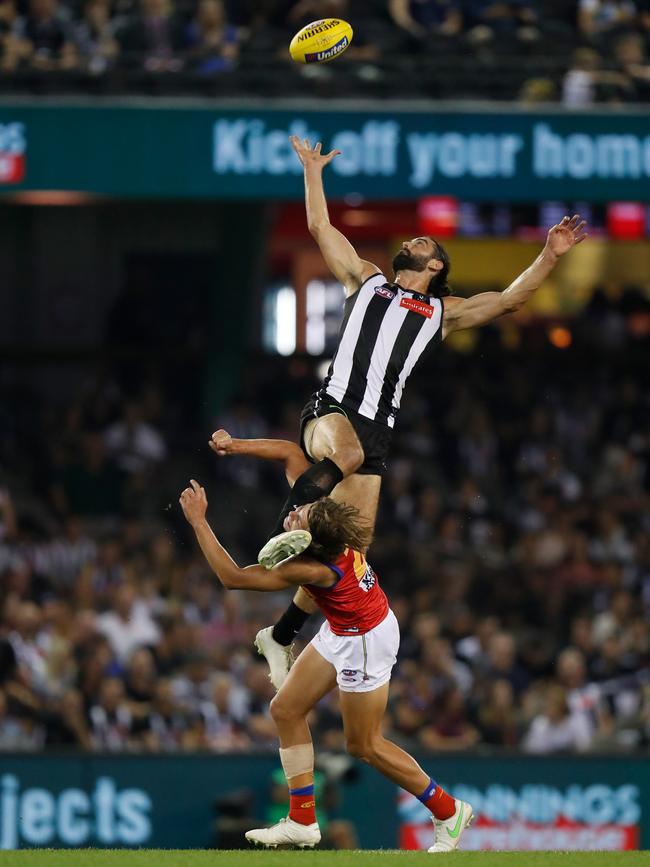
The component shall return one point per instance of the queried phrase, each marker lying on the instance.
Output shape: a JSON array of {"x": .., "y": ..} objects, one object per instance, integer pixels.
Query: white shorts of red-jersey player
[
  {"x": 362, "y": 662},
  {"x": 360, "y": 636}
]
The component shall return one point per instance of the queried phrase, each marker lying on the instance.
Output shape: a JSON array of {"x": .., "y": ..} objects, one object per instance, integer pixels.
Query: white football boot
[
  {"x": 449, "y": 831},
  {"x": 284, "y": 547},
  {"x": 285, "y": 833},
  {"x": 279, "y": 657}
]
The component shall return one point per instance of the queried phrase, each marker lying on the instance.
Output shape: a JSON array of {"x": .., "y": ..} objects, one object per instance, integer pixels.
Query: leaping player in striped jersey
[
  {"x": 388, "y": 328},
  {"x": 355, "y": 649}
]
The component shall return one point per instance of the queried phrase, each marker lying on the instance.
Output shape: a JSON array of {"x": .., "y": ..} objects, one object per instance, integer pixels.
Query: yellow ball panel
[{"x": 321, "y": 41}]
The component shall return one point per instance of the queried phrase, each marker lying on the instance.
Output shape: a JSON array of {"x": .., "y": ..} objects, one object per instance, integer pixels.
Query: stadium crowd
[
  {"x": 513, "y": 540},
  {"x": 578, "y": 52}
]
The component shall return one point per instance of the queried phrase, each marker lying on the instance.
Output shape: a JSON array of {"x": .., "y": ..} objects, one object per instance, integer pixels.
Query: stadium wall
[
  {"x": 567, "y": 802},
  {"x": 235, "y": 150}
]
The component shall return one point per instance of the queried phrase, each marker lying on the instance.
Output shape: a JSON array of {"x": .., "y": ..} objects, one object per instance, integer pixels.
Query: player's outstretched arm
[
  {"x": 290, "y": 454},
  {"x": 339, "y": 254},
  {"x": 487, "y": 306},
  {"x": 302, "y": 570}
]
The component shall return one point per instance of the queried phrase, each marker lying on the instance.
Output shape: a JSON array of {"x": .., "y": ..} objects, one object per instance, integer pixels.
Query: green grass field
[{"x": 194, "y": 858}]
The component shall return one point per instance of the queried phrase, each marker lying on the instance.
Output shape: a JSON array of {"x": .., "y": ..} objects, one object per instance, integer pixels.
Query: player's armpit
[{"x": 472, "y": 312}]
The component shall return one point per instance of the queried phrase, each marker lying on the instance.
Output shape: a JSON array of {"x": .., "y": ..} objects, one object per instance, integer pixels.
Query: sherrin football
[{"x": 321, "y": 41}]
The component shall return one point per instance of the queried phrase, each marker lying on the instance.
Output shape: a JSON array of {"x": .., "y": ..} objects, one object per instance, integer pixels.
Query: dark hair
[
  {"x": 438, "y": 285},
  {"x": 335, "y": 527}
]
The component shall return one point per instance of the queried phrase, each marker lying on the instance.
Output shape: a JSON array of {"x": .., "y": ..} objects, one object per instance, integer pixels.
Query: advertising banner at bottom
[
  {"x": 580, "y": 819},
  {"x": 568, "y": 804},
  {"x": 187, "y": 801}
]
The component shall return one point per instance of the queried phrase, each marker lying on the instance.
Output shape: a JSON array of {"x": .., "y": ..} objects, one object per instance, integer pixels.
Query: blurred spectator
[
  {"x": 94, "y": 37},
  {"x": 17, "y": 733},
  {"x": 211, "y": 42},
  {"x": 68, "y": 725},
  {"x": 8, "y": 524},
  {"x": 47, "y": 31},
  {"x": 557, "y": 728},
  {"x": 111, "y": 721},
  {"x": 129, "y": 625},
  {"x": 489, "y": 19},
  {"x": 424, "y": 18},
  {"x": 537, "y": 90},
  {"x": 153, "y": 38},
  {"x": 598, "y": 18},
  {"x": 14, "y": 47},
  {"x": 132, "y": 443},
  {"x": 167, "y": 725},
  {"x": 450, "y": 728},
  {"x": 497, "y": 716},
  {"x": 503, "y": 663},
  {"x": 90, "y": 486},
  {"x": 224, "y": 716},
  {"x": 586, "y": 82},
  {"x": 631, "y": 58}
]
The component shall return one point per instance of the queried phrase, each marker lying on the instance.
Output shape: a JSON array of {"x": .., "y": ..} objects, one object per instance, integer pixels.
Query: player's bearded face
[{"x": 405, "y": 261}]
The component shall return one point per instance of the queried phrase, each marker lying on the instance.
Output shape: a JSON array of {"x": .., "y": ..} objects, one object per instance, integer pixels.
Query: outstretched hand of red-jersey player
[{"x": 194, "y": 503}]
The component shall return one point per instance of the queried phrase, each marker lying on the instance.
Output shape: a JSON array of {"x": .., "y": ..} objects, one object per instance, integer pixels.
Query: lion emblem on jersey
[{"x": 369, "y": 579}]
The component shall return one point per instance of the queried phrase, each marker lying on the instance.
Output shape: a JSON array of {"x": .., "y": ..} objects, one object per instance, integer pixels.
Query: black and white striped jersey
[{"x": 386, "y": 331}]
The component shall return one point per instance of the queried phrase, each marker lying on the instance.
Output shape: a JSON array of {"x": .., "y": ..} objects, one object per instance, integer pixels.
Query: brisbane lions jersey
[{"x": 355, "y": 604}]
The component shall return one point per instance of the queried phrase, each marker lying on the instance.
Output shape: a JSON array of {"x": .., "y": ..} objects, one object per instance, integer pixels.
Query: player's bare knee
[
  {"x": 349, "y": 458},
  {"x": 360, "y": 748},
  {"x": 282, "y": 710}
]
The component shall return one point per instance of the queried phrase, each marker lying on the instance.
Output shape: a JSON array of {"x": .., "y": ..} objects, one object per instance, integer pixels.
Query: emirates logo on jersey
[
  {"x": 416, "y": 306},
  {"x": 369, "y": 579}
]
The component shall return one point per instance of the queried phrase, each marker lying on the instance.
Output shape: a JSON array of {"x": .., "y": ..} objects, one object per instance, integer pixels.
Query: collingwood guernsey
[{"x": 386, "y": 331}]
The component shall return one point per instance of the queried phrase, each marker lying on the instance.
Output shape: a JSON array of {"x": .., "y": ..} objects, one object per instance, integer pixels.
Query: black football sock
[
  {"x": 290, "y": 624},
  {"x": 316, "y": 482}
]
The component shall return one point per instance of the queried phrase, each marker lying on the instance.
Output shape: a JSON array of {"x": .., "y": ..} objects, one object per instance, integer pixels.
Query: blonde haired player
[{"x": 355, "y": 649}]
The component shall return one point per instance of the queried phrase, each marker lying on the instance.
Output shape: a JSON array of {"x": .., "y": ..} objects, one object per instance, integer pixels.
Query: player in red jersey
[{"x": 355, "y": 649}]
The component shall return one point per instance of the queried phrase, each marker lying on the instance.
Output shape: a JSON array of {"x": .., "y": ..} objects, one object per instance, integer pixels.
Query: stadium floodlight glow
[{"x": 285, "y": 321}]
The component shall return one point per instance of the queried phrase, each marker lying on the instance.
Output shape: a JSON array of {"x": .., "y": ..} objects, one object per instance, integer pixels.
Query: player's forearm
[
  {"x": 315, "y": 201},
  {"x": 219, "y": 560},
  {"x": 266, "y": 450},
  {"x": 520, "y": 290}
]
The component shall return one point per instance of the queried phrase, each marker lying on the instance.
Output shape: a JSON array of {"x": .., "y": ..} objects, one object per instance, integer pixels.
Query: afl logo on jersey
[{"x": 385, "y": 292}]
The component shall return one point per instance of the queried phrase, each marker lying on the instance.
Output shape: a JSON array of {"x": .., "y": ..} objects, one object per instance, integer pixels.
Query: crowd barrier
[{"x": 203, "y": 801}]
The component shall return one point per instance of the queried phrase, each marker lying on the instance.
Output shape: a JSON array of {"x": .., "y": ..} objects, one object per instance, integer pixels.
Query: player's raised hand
[
  {"x": 568, "y": 232},
  {"x": 194, "y": 502},
  {"x": 221, "y": 442},
  {"x": 309, "y": 155}
]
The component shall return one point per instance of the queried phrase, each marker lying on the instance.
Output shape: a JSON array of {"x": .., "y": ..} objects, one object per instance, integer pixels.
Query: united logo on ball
[{"x": 321, "y": 41}]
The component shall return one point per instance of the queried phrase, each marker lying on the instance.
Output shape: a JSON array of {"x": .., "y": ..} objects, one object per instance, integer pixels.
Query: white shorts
[{"x": 362, "y": 662}]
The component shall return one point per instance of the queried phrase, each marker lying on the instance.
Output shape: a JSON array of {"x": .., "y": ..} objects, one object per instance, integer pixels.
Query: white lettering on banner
[
  {"x": 132, "y": 807},
  {"x": 12, "y": 138},
  {"x": 40, "y": 817},
  {"x": 583, "y": 156},
  {"x": 371, "y": 151},
  {"x": 37, "y": 809},
  {"x": 454, "y": 155},
  {"x": 595, "y": 804},
  {"x": 247, "y": 147},
  {"x": 72, "y": 827}
]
